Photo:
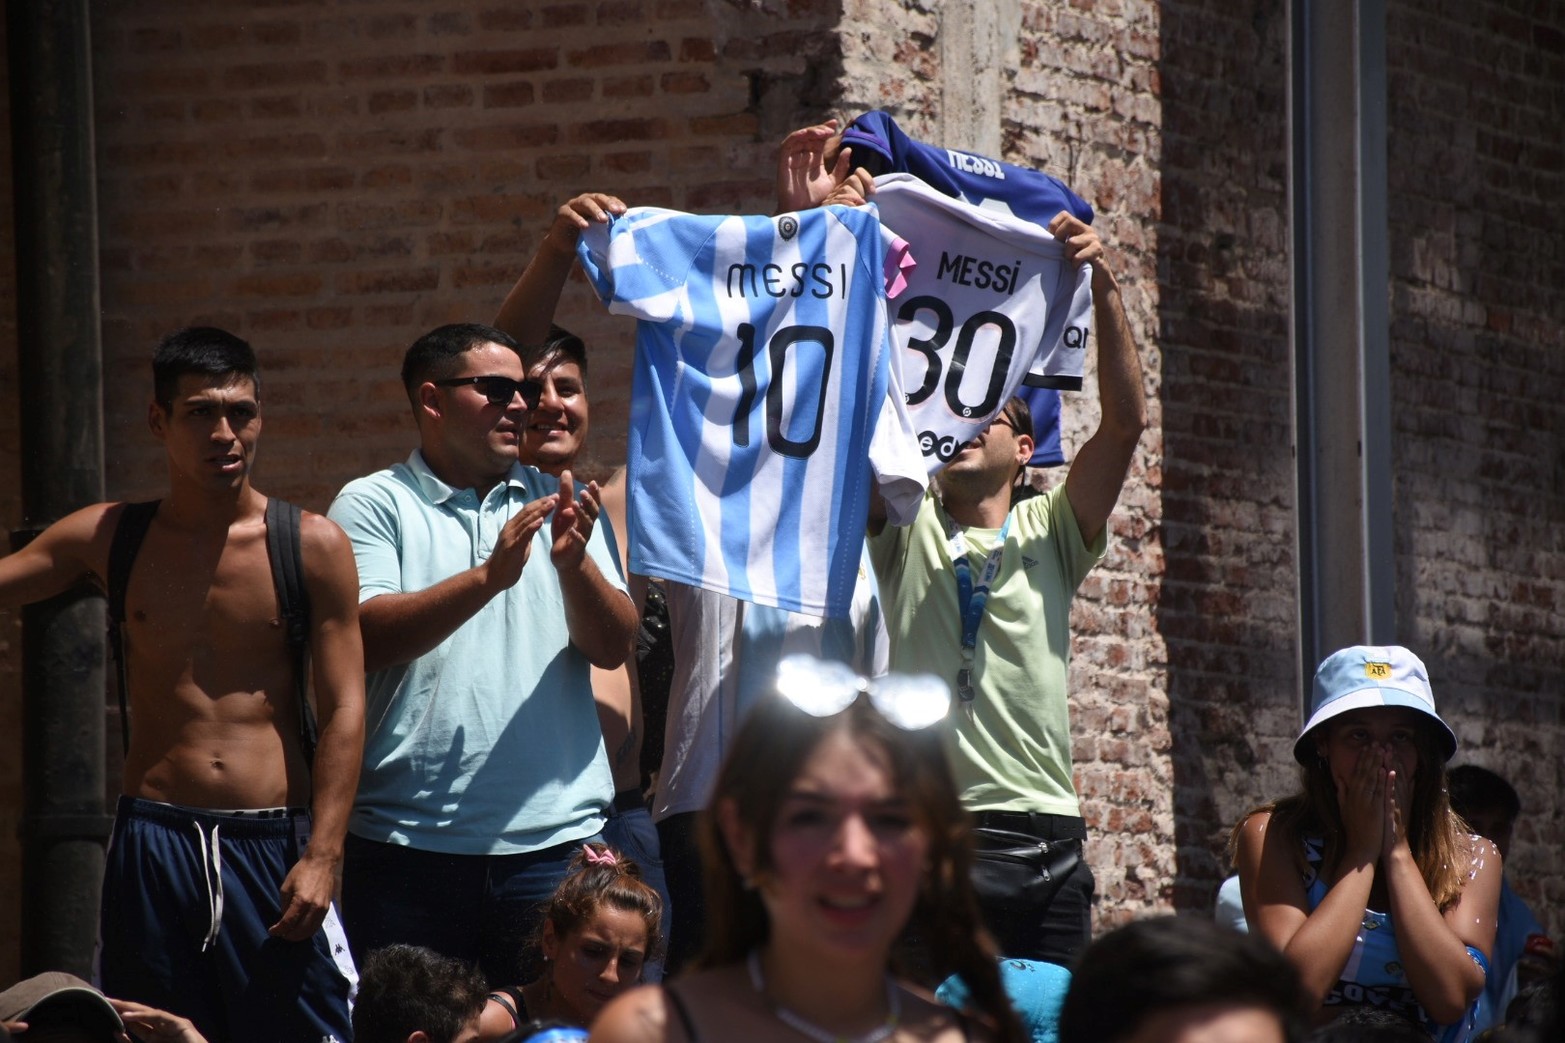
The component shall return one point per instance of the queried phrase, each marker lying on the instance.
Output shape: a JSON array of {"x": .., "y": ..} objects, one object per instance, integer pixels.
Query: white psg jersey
[
  {"x": 992, "y": 304},
  {"x": 763, "y": 394}
]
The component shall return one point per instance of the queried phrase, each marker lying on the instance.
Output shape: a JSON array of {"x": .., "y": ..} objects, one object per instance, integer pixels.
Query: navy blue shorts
[{"x": 188, "y": 896}]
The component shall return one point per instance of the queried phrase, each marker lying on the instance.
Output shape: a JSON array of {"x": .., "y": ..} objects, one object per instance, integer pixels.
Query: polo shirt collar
[{"x": 437, "y": 491}]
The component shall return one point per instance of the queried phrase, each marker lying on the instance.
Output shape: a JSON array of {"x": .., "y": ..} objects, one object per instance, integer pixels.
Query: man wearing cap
[
  {"x": 64, "y": 1009},
  {"x": 486, "y": 594},
  {"x": 1367, "y": 880}
]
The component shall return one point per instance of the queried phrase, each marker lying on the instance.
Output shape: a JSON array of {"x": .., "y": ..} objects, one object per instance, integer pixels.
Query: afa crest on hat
[{"x": 1370, "y": 675}]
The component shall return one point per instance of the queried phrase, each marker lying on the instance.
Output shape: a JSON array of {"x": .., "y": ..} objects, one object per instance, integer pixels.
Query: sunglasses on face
[
  {"x": 499, "y": 390},
  {"x": 823, "y": 688}
]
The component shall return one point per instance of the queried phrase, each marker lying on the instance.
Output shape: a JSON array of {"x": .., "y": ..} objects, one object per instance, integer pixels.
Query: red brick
[
  {"x": 563, "y": 92},
  {"x": 215, "y": 110},
  {"x": 395, "y": 280},
  {"x": 280, "y": 107},
  {"x": 486, "y": 139},
  {"x": 684, "y": 83},
  {"x": 391, "y": 66},
  {"x": 329, "y": 318},
  {"x": 276, "y": 251},
  {"x": 618, "y": 131},
  {"x": 566, "y": 168},
  {"x": 489, "y": 63},
  {"x": 625, "y": 162},
  {"x": 277, "y": 284},
  {"x": 506, "y": 19},
  {"x": 508, "y": 95},
  {"x": 380, "y": 102},
  {"x": 610, "y": 54},
  {"x": 697, "y": 50},
  {"x": 394, "y": 140},
  {"x": 628, "y": 86},
  {"x": 409, "y": 212},
  {"x": 448, "y": 96},
  {"x": 274, "y": 74}
]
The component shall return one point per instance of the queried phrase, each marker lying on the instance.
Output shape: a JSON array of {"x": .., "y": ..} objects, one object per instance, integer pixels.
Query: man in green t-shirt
[{"x": 979, "y": 592}]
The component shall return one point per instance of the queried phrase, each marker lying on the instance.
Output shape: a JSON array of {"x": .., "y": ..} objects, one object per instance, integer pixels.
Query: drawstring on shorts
[{"x": 212, "y": 868}]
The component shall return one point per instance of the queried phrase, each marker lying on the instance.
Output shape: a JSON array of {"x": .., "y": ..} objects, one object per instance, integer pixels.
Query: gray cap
[{"x": 56, "y": 992}]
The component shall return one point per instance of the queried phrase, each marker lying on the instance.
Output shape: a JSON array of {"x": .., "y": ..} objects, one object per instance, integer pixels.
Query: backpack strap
[
  {"x": 293, "y": 604},
  {"x": 129, "y": 531}
]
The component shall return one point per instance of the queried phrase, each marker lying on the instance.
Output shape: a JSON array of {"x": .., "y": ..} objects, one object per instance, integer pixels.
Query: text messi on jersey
[
  {"x": 983, "y": 275},
  {"x": 822, "y": 281}
]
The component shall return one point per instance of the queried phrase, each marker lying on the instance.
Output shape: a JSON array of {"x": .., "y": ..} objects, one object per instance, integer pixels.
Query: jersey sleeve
[
  {"x": 373, "y": 529},
  {"x": 894, "y": 453},
  {"x": 1062, "y": 353},
  {"x": 640, "y": 261}
]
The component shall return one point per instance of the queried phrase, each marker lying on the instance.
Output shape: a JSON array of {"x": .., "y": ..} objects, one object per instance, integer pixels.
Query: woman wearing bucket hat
[{"x": 1366, "y": 879}]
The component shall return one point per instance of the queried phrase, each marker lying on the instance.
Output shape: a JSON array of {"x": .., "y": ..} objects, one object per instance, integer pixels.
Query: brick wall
[
  {"x": 330, "y": 179},
  {"x": 1477, "y": 173},
  {"x": 1226, "y": 603}
]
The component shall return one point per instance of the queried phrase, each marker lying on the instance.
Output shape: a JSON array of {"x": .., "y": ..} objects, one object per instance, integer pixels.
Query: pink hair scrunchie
[{"x": 594, "y": 858}]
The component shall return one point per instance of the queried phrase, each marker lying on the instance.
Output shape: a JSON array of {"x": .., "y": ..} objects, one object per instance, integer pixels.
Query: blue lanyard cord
[{"x": 972, "y": 602}]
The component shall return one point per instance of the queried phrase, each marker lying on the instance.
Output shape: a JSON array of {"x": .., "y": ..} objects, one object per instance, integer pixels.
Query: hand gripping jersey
[
  {"x": 992, "y": 304},
  {"x": 1032, "y": 195},
  {"x": 763, "y": 394}
]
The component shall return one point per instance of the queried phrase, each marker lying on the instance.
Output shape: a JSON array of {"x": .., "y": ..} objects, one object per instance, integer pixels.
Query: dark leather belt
[{"x": 1034, "y": 823}]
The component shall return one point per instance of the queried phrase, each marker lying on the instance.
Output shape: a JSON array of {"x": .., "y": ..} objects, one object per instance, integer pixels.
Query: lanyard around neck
[{"x": 971, "y": 600}]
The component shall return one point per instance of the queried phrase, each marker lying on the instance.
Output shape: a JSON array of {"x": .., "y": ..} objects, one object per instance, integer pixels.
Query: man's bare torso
[{"x": 212, "y": 705}]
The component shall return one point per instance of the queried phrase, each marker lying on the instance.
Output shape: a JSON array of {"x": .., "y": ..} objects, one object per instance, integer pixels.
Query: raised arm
[
  {"x": 529, "y": 307},
  {"x": 73, "y": 549},
  {"x": 600, "y": 617},
  {"x": 1098, "y": 472},
  {"x": 336, "y": 658}
]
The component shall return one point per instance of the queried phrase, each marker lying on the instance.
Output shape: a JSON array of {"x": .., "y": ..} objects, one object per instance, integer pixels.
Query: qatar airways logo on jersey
[
  {"x": 979, "y": 274},
  {"x": 980, "y": 165},
  {"x": 820, "y": 280}
]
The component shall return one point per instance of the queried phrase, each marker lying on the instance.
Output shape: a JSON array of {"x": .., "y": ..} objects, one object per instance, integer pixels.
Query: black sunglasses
[{"x": 499, "y": 390}]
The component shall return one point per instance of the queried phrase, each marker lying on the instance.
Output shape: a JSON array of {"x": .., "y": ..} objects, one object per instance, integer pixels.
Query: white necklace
[{"x": 802, "y": 1025}]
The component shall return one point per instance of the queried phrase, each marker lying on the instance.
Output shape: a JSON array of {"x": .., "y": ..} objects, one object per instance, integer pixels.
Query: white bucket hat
[{"x": 1370, "y": 675}]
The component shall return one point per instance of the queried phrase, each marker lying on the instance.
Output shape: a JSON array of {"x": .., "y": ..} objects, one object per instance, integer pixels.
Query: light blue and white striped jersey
[{"x": 764, "y": 395}]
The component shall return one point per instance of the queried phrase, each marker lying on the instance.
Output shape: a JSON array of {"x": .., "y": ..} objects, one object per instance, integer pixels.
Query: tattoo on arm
[{"x": 627, "y": 747}]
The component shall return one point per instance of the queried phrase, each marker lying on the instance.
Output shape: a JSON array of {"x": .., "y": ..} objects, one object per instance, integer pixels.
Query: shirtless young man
[{"x": 210, "y": 912}]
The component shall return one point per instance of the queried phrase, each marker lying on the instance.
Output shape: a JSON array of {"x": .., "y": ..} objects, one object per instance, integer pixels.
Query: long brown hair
[
  {"x": 1436, "y": 835},
  {"x": 944, "y": 928}
]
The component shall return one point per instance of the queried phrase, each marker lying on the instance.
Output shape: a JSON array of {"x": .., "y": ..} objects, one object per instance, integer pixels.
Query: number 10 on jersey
[{"x": 813, "y": 381}]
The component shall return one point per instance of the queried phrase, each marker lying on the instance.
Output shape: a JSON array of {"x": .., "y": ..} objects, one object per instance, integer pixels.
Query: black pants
[
  {"x": 682, "y": 872},
  {"x": 1058, "y": 931}
]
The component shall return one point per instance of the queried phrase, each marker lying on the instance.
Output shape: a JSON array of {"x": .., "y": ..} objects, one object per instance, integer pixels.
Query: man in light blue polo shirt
[{"x": 485, "y": 597}]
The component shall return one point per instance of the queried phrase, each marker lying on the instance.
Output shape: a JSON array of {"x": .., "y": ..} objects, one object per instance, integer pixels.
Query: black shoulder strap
[
  {"x": 129, "y": 531},
  {"x": 293, "y": 604}
]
